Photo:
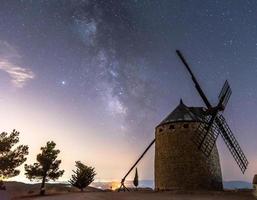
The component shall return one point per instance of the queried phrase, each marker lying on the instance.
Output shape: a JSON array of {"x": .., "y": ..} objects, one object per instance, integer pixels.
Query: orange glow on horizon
[{"x": 115, "y": 185}]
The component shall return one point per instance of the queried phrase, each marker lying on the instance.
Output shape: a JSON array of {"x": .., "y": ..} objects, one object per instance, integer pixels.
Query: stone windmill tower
[
  {"x": 178, "y": 162},
  {"x": 186, "y": 156}
]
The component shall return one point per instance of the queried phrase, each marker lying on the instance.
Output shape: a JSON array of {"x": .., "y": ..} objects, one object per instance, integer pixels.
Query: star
[{"x": 113, "y": 65}]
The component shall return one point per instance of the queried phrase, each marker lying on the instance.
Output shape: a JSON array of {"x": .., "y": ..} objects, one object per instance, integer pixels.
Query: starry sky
[{"x": 97, "y": 76}]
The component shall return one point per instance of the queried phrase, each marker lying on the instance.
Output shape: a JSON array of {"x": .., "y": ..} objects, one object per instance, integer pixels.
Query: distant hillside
[
  {"x": 150, "y": 184},
  {"x": 226, "y": 184},
  {"x": 116, "y": 184},
  {"x": 23, "y": 188},
  {"x": 237, "y": 185},
  {"x": 20, "y": 189}
]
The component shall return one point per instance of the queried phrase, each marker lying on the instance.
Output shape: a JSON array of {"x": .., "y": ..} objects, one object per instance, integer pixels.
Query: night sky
[{"x": 97, "y": 76}]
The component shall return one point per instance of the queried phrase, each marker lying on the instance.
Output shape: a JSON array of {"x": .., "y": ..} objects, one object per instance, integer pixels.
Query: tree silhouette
[
  {"x": 10, "y": 157},
  {"x": 135, "y": 181},
  {"x": 83, "y": 176},
  {"x": 47, "y": 167}
]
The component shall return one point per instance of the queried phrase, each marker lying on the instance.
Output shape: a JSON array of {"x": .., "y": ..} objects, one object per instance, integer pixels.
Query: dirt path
[
  {"x": 4, "y": 195},
  {"x": 149, "y": 196}
]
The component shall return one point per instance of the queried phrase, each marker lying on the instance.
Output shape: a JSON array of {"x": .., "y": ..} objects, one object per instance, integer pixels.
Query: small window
[
  {"x": 160, "y": 130},
  {"x": 172, "y": 127},
  {"x": 185, "y": 125}
]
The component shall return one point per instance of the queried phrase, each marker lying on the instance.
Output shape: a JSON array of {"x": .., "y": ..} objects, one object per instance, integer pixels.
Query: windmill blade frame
[
  {"x": 232, "y": 143},
  {"x": 204, "y": 128},
  {"x": 206, "y": 135},
  {"x": 219, "y": 121},
  {"x": 197, "y": 85},
  {"x": 224, "y": 95},
  {"x": 207, "y": 132}
]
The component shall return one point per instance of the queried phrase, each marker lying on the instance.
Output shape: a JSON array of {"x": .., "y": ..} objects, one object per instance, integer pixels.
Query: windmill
[{"x": 179, "y": 160}]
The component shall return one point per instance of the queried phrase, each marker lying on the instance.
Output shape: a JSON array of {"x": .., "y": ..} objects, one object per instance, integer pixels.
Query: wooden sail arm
[{"x": 133, "y": 166}]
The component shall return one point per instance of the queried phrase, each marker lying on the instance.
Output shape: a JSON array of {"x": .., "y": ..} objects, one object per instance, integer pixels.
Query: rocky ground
[
  {"x": 18, "y": 191},
  {"x": 147, "y": 195}
]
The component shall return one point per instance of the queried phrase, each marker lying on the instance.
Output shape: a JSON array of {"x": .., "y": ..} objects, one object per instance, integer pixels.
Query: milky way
[{"x": 110, "y": 66}]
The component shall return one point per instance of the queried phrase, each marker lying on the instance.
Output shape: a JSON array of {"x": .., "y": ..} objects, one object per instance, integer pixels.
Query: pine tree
[
  {"x": 47, "y": 167},
  {"x": 10, "y": 157},
  {"x": 83, "y": 176},
  {"x": 135, "y": 181}
]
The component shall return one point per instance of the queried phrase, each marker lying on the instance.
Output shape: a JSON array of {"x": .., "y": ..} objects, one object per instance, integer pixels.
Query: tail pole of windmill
[{"x": 122, "y": 186}]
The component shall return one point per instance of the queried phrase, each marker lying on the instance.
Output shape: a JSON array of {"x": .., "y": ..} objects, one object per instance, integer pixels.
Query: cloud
[
  {"x": 9, "y": 57},
  {"x": 7, "y": 51},
  {"x": 19, "y": 75}
]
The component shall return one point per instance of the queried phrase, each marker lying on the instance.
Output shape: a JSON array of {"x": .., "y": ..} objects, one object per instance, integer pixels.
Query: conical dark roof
[{"x": 184, "y": 113}]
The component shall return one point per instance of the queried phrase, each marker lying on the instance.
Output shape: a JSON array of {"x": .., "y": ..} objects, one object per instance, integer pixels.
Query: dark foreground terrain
[
  {"x": 22, "y": 191},
  {"x": 16, "y": 190},
  {"x": 246, "y": 195}
]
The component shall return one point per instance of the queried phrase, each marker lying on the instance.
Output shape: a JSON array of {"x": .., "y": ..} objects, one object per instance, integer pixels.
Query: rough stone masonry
[{"x": 179, "y": 164}]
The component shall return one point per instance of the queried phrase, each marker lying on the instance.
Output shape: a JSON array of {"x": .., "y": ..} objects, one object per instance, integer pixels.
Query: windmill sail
[
  {"x": 214, "y": 124},
  {"x": 225, "y": 94},
  {"x": 205, "y": 138},
  {"x": 197, "y": 86},
  {"x": 208, "y": 131},
  {"x": 232, "y": 143},
  {"x": 206, "y": 135}
]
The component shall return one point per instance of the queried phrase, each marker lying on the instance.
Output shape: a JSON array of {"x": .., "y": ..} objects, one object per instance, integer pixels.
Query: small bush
[{"x": 82, "y": 176}]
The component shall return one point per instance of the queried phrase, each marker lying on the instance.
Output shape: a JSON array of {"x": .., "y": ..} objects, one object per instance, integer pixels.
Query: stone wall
[{"x": 179, "y": 164}]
